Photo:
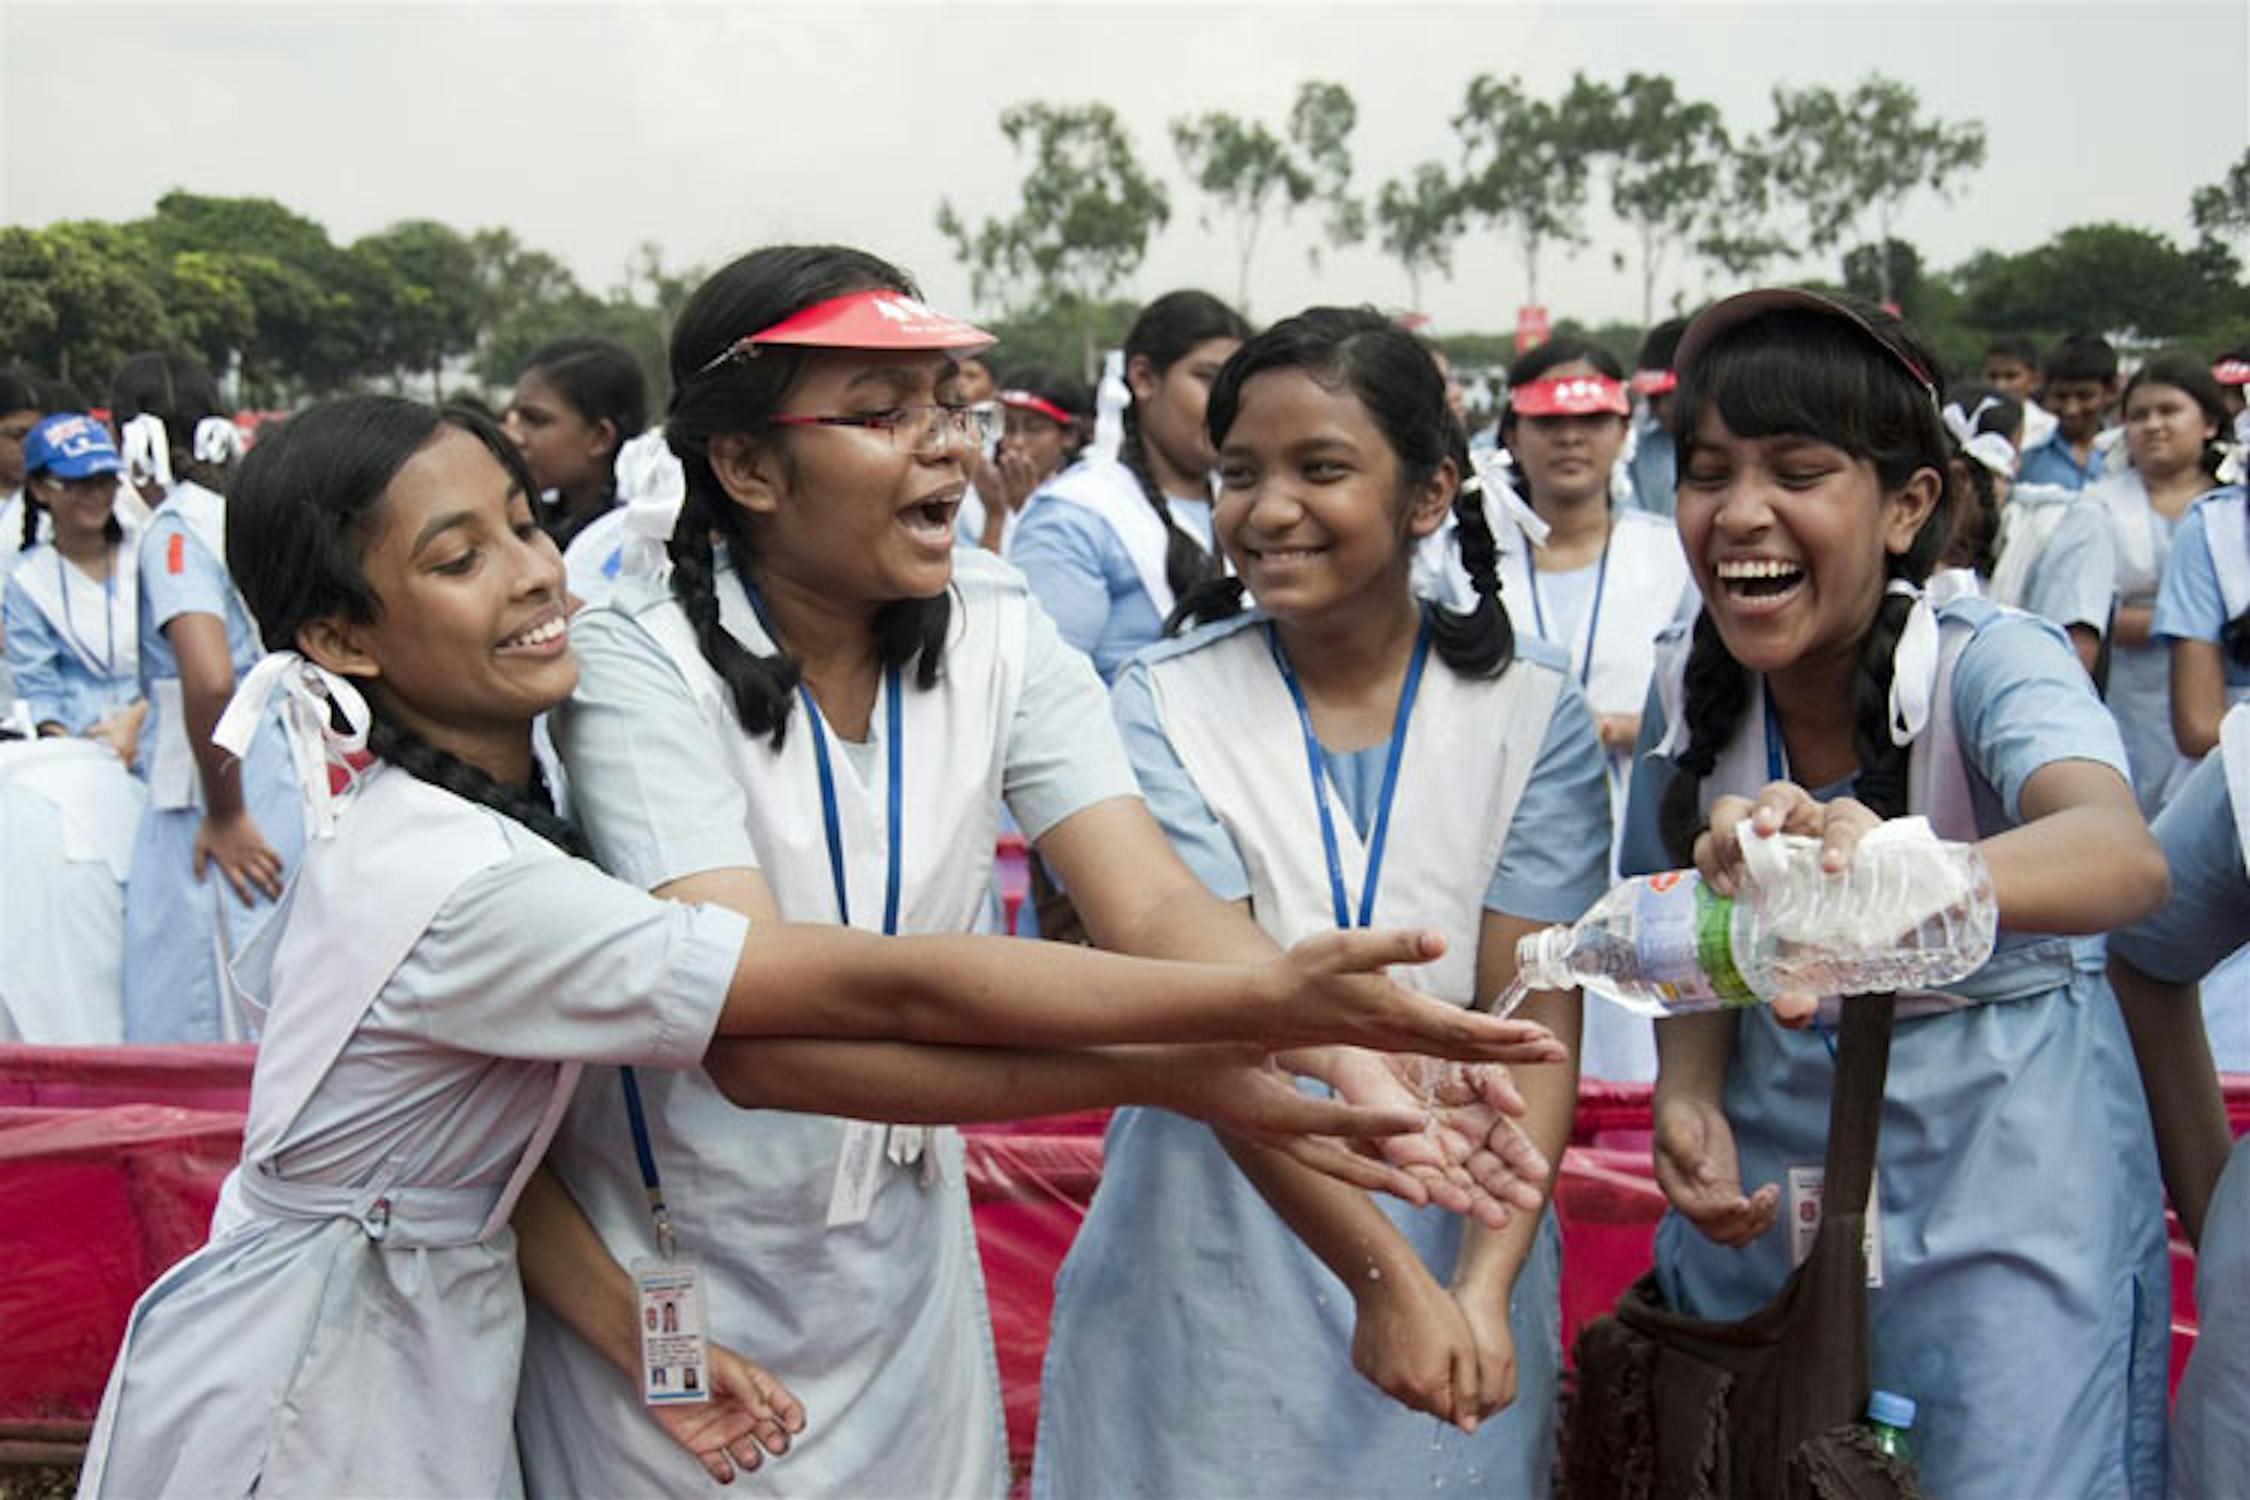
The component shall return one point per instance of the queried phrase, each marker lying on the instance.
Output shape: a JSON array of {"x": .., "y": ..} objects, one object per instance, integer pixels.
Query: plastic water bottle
[
  {"x": 1890, "y": 1418},
  {"x": 1911, "y": 912}
]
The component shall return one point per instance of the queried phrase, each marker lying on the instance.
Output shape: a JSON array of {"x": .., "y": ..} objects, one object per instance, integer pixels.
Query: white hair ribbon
[
  {"x": 2234, "y": 463},
  {"x": 1111, "y": 397},
  {"x": 312, "y": 696},
  {"x": 1495, "y": 479},
  {"x": 147, "y": 450},
  {"x": 1992, "y": 449},
  {"x": 1914, "y": 666},
  {"x": 217, "y": 441},
  {"x": 651, "y": 486}
]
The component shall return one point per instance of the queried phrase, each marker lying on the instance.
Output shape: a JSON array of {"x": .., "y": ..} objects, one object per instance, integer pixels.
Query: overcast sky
[{"x": 712, "y": 128}]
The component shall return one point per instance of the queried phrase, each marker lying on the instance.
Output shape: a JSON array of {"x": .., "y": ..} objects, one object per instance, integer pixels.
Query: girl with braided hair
[
  {"x": 819, "y": 714},
  {"x": 2026, "y": 1323},
  {"x": 1198, "y": 1347},
  {"x": 440, "y": 970},
  {"x": 1112, "y": 544}
]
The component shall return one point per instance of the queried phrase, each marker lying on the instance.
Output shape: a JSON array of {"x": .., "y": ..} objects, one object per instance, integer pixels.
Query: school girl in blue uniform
[
  {"x": 1341, "y": 754},
  {"x": 819, "y": 714},
  {"x": 221, "y": 832},
  {"x": 2026, "y": 1322},
  {"x": 68, "y": 610},
  {"x": 439, "y": 972},
  {"x": 1111, "y": 543},
  {"x": 2156, "y": 965}
]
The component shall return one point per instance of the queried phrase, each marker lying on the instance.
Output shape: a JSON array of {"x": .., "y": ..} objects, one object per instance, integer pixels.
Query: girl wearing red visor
[
  {"x": 1597, "y": 579},
  {"x": 819, "y": 716}
]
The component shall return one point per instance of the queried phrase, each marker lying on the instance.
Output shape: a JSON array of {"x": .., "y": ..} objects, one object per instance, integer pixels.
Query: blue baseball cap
[{"x": 70, "y": 445}]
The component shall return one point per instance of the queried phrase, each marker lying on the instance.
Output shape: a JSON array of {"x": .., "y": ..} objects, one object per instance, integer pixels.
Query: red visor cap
[
  {"x": 2231, "y": 372},
  {"x": 1033, "y": 402},
  {"x": 1570, "y": 396},
  {"x": 863, "y": 320},
  {"x": 1654, "y": 382}
]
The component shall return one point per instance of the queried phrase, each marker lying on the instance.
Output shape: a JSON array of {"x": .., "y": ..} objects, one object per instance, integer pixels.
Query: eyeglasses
[{"x": 920, "y": 428}]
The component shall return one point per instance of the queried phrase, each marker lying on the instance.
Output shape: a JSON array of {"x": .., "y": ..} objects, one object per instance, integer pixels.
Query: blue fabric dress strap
[{"x": 1379, "y": 832}]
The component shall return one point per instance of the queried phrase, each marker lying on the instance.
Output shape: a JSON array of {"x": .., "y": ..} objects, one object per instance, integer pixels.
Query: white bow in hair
[
  {"x": 1495, "y": 480},
  {"x": 147, "y": 450},
  {"x": 651, "y": 486},
  {"x": 312, "y": 696},
  {"x": 1992, "y": 449},
  {"x": 1914, "y": 665},
  {"x": 217, "y": 441}
]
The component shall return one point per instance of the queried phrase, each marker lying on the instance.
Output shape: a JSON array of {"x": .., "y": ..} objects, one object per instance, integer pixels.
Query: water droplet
[{"x": 1374, "y": 1273}]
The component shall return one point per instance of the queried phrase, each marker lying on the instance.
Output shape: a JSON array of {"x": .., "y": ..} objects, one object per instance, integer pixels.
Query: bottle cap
[{"x": 1891, "y": 1409}]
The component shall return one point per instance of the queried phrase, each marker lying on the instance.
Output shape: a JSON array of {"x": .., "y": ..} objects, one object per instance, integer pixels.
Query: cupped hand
[
  {"x": 1411, "y": 1340},
  {"x": 749, "y": 1414},
  {"x": 1471, "y": 1155},
  {"x": 1697, "y": 1168},
  {"x": 233, "y": 843},
  {"x": 1331, "y": 988},
  {"x": 1247, "y": 1095}
]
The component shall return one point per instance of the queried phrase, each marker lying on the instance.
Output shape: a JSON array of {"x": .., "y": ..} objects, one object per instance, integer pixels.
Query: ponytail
[{"x": 1186, "y": 564}]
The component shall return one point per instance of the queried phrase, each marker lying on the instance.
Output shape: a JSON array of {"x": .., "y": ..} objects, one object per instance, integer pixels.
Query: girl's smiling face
[
  {"x": 81, "y": 507},
  {"x": 858, "y": 514},
  {"x": 469, "y": 643},
  {"x": 1789, "y": 539},
  {"x": 1309, "y": 508}
]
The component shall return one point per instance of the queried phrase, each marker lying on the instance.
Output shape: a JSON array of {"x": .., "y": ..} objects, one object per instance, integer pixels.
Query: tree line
[{"x": 254, "y": 286}]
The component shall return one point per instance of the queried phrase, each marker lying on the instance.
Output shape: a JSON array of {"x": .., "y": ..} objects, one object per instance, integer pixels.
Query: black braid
[
  {"x": 1186, "y": 564},
  {"x": 1715, "y": 696},
  {"x": 1882, "y": 765},
  {"x": 2235, "y": 637},
  {"x": 763, "y": 687},
  {"x": 31, "y": 510},
  {"x": 1481, "y": 641},
  {"x": 532, "y": 804}
]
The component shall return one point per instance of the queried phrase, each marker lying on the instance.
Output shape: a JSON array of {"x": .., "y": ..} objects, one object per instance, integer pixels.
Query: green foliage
[
  {"x": 1865, "y": 275},
  {"x": 1084, "y": 219},
  {"x": 1665, "y": 158},
  {"x": 430, "y": 295},
  {"x": 2106, "y": 278},
  {"x": 1525, "y": 164},
  {"x": 1839, "y": 156},
  {"x": 1246, "y": 170},
  {"x": 2221, "y": 210},
  {"x": 1416, "y": 219},
  {"x": 1053, "y": 334},
  {"x": 77, "y": 298},
  {"x": 1321, "y": 123}
]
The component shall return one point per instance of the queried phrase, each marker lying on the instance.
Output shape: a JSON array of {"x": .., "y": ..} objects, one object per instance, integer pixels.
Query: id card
[
  {"x": 1804, "y": 1221},
  {"x": 674, "y": 1366},
  {"x": 859, "y": 1168}
]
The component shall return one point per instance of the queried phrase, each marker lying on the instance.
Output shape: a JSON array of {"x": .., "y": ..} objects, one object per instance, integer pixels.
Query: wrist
[{"x": 1384, "y": 1274}]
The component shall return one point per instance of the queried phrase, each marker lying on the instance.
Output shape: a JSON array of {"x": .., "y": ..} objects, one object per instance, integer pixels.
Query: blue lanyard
[
  {"x": 1381, "y": 832},
  {"x": 831, "y": 822},
  {"x": 666, "y": 1245},
  {"x": 109, "y": 613},
  {"x": 1593, "y": 615}
]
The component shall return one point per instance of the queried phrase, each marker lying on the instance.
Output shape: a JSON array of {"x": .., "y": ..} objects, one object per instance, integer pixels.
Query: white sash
[
  {"x": 2027, "y": 525},
  {"x": 89, "y": 617},
  {"x": 356, "y": 907},
  {"x": 1107, "y": 488},
  {"x": 2226, "y": 528},
  {"x": 1470, "y": 748},
  {"x": 1641, "y": 593},
  {"x": 2140, "y": 549}
]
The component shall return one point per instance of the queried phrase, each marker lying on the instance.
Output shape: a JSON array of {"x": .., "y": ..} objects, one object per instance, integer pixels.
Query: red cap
[
  {"x": 1031, "y": 401},
  {"x": 1570, "y": 396},
  {"x": 2231, "y": 372},
  {"x": 862, "y": 320},
  {"x": 1654, "y": 382}
]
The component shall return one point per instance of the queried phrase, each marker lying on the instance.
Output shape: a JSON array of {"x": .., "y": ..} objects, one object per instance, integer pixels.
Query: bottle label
[{"x": 1683, "y": 936}]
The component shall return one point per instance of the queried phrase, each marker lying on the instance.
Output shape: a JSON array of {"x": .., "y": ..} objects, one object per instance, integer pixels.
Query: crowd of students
[{"x": 593, "y": 826}]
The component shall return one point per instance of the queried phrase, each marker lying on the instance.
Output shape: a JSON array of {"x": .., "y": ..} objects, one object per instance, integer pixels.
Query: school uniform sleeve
[
  {"x": 2189, "y": 606},
  {"x": 1641, "y": 846},
  {"x": 35, "y": 658},
  {"x": 1197, "y": 836},
  {"x": 179, "y": 576},
  {"x": 649, "y": 781},
  {"x": 2021, "y": 701},
  {"x": 1554, "y": 862},
  {"x": 1063, "y": 752},
  {"x": 2074, "y": 582},
  {"x": 2208, "y": 914},
  {"x": 550, "y": 959},
  {"x": 1061, "y": 549}
]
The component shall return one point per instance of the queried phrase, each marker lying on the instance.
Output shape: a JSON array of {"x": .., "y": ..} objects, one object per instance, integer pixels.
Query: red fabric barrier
[{"x": 111, "y": 1159}]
